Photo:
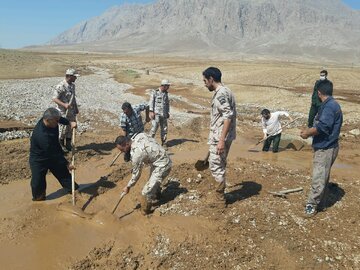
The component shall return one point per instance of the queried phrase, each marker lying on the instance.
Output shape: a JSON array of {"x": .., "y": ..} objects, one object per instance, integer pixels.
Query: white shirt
[{"x": 272, "y": 126}]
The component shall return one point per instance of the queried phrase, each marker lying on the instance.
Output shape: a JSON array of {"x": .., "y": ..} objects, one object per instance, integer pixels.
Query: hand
[
  {"x": 126, "y": 190},
  {"x": 67, "y": 106},
  {"x": 220, "y": 147},
  {"x": 265, "y": 137},
  {"x": 152, "y": 115},
  {"x": 73, "y": 125},
  {"x": 304, "y": 134},
  {"x": 71, "y": 167}
]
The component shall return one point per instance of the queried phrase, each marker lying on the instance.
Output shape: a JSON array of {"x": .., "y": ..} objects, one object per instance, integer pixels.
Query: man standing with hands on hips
[{"x": 222, "y": 128}]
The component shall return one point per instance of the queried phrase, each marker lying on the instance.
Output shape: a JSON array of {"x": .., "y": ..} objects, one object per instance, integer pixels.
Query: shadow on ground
[
  {"x": 334, "y": 195},
  {"x": 175, "y": 142},
  {"x": 99, "y": 148},
  {"x": 170, "y": 192},
  {"x": 92, "y": 189},
  {"x": 247, "y": 190}
]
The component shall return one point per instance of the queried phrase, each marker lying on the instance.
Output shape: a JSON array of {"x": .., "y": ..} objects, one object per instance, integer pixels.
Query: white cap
[
  {"x": 165, "y": 82},
  {"x": 72, "y": 72}
]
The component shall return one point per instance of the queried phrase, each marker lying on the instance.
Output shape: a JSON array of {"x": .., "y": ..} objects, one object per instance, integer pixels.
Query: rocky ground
[{"x": 186, "y": 230}]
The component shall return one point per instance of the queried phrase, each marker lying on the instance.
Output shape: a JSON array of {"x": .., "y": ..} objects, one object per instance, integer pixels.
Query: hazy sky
[{"x": 31, "y": 22}]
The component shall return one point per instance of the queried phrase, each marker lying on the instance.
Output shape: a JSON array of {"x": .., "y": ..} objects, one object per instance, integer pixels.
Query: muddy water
[
  {"x": 244, "y": 147},
  {"x": 50, "y": 242},
  {"x": 60, "y": 238}
]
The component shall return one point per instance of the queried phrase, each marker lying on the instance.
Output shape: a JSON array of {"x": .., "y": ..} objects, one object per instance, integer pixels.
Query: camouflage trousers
[
  {"x": 157, "y": 176},
  {"x": 65, "y": 130},
  {"x": 162, "y": 122},
  {"x": 323, "y": 160},
  {"x": 217, "y": 163}
]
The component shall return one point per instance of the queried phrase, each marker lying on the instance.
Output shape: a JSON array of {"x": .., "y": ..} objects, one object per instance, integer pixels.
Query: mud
[{"x": 186, "y": 229}]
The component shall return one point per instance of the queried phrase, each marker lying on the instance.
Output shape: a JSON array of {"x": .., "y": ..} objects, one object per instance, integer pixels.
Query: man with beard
[{"x": 222, "y": 128}]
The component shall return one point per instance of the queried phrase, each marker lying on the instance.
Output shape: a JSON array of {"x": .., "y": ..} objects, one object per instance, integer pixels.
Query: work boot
[
  {"x": 145, "y": 205},
  {"x": 41, "y": 197},
  {"x": 158, "y": 193},
  {"x": 68, "y": 145},
  {"x": 218, "y": 198}
]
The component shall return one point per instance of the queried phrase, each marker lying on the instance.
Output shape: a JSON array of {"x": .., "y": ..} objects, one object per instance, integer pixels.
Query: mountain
[{"x": 305, "y": 28}]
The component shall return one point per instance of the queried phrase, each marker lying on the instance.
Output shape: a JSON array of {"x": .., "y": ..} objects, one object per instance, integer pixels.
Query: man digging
[
  {"x": 46, "y": 154},
  {"x": 145, "y": 150}
]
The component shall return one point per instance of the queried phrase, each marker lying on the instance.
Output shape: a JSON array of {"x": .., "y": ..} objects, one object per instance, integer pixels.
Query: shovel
[
  {"x": 252, "y": 149},
  {"x": 73, "y": 164},
  {"x": 117, "y": 204},
  {"x": 202, "y": 165}
]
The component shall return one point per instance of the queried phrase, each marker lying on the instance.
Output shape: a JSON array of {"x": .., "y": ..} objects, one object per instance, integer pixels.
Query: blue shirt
[
  {"x": 133, "y": 124},
  {"x": 328, "y": 123}
]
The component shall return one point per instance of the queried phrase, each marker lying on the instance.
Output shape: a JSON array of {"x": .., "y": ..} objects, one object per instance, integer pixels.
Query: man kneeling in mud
[{"x": 145, "y": 150}]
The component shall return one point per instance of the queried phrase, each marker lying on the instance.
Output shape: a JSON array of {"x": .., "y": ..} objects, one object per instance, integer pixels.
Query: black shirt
[{"x": 44, "y": 142}]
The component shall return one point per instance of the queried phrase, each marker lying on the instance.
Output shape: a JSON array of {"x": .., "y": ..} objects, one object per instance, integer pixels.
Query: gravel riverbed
[{"x": 99, "y": 97}]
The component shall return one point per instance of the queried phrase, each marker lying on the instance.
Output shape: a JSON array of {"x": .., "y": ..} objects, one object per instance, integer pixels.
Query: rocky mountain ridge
[{"x": 309, "y": 28}]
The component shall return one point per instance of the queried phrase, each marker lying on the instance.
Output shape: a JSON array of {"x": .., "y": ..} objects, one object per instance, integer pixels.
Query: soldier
[
  {"x": 222, "y": 127},
  {"x": 315, "y": 101},
  {"x": 65, "y": 100},
  {"x": 131, "y": 121},
  {"x": 160, "y": 110},
  {"x": 145, "y": 150}
]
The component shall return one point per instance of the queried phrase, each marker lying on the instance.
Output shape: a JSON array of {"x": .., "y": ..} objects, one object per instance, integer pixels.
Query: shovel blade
[{"x": 73, "y": 209}]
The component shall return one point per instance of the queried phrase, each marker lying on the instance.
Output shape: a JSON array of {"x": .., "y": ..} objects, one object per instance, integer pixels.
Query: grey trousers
[
  {"x": 162, "y": 121},
  {"x": 322, "y": 162}
]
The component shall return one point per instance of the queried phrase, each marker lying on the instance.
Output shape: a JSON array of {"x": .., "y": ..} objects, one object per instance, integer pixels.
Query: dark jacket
[
  {"x": 44, "y": 142},
  {"x": 328, "y": 123}
]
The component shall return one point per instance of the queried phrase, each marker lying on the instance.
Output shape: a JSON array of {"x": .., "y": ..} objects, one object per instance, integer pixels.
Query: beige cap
[
  {"x": 72, "y": 72},
  {"x": 165, "y": 82}
]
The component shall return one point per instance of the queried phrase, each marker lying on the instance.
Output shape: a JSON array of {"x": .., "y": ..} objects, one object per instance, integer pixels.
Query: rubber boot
[{"x": 145, "y": 205}]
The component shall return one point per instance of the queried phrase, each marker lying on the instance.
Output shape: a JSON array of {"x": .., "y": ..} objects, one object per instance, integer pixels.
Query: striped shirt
[{"x": 133, "y": 124}]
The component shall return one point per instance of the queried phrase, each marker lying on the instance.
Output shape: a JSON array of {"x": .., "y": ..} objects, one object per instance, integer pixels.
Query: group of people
[{"x": 49, "y": 142}]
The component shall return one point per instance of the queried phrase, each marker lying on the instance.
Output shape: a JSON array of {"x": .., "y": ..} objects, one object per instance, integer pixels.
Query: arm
[
  {"x": 123, "y": 124},
  {"x": 151, "y": 105},
  {"x": 59, "y": 102},
  {"x": 145, "y": 107},
  {"x": 137, "y": 161},
  {"x": 264, "y": 127},
  {"x": 227, "y": 113},
  {"x": 308, "y": 132}
]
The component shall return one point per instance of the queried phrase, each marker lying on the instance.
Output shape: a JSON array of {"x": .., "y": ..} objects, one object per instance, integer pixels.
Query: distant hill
[{"x": 300, "y": 28}]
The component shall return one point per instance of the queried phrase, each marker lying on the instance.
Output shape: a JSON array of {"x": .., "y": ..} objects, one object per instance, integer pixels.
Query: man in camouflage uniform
[
  {"x": 222, "y": 127},
  {"x": 145, "y": 150},
  {"x": 65, "y": 100},
  {"x": 131, "y": 121},
  {"x": 160, "y": 110}
]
